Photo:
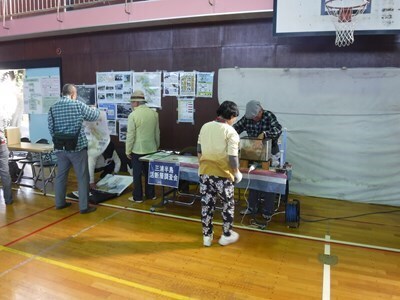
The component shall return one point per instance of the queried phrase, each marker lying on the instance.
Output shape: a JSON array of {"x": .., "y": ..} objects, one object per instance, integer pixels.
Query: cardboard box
[
  {"x": 13, "y": 135},
  {"x": 243, "y": 163}
]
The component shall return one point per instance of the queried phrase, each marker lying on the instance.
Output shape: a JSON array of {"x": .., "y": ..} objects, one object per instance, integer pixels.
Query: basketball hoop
[{"x": 344, "y": 13}]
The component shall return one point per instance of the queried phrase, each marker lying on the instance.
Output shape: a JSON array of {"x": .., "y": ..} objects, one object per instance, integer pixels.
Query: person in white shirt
[{"x": 108, "y": 163}]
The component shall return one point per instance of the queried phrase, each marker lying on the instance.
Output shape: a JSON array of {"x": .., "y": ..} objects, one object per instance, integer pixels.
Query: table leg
[
  {"x": 42, "y": 174},
  {"x": 164, "y": 201}
]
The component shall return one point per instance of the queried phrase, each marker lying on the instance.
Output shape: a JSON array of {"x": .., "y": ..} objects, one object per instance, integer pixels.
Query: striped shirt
[{"x": 67, "y": 115}]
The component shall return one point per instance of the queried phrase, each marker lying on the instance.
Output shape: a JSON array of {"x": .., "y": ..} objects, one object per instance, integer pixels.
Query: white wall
[{"x": 343, "y": 126}]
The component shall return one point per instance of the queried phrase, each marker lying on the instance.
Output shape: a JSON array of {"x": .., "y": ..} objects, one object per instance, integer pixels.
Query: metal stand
[{"x": 176, "y": 194}]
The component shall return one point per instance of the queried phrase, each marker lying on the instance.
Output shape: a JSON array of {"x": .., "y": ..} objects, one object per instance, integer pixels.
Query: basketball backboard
[{"x": 310, "y": 17}]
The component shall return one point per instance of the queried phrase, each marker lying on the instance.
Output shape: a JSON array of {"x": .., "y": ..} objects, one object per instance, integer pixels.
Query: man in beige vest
[{"x": 142, "y": 138}]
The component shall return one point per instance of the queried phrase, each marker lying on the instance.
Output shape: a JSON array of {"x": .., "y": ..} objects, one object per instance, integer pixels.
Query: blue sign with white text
[{"x": 164, "y": 173}]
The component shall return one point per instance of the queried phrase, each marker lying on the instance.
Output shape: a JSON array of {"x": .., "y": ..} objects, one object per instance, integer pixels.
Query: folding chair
[
  {"x": 49, "y": 162},
  {"x": 28, "y": 160}
]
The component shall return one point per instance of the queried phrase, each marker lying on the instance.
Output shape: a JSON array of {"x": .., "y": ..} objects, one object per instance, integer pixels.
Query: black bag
[
  {"x": 14, "y": 170},
  {"x": 64, "y": 141}
]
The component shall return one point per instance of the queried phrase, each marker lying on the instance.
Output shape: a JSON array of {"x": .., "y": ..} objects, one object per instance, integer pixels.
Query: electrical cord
[
  {"x": 252, "y": 168},
  {"x": 245, "y": 191},
  {"x": 349, "y": 217}
]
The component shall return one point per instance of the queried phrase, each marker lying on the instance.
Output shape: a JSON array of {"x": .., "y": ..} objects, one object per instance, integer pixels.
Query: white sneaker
[
  {"x": 226, "y": 240},
  {"x": 207, "y": 240},
  {"x": 135, "y": 201}
]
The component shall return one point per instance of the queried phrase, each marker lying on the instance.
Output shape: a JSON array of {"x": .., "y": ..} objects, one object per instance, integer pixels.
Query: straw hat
[{"x": 138, "y": 95}]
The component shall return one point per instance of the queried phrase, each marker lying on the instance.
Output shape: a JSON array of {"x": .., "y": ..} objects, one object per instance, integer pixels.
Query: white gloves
[{"x": 238, "y": 176}]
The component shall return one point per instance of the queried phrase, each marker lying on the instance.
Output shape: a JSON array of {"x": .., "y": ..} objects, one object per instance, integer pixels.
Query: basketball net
[{"x": 344, "y": 17}]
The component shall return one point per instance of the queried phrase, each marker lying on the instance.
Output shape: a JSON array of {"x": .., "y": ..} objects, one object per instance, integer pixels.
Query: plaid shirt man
[
  {"x": 268, "y": 124},
  {"x": 66, "y": 116}
]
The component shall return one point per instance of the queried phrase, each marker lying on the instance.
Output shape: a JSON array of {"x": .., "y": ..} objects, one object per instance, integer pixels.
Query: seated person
[{"x": 107, "y": 163}]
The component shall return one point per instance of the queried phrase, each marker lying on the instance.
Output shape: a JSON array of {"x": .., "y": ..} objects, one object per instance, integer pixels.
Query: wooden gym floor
[{"x": 123, "y": 251}]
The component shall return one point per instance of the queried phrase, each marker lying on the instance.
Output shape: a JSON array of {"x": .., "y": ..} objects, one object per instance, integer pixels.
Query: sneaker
[
  {"x": 152, "y": 198},
  {"x": 246, "y": 211},
  {"x": 133, "y": 200},
  {"x": 88, "y": 210},
  {"x": 67, "y": 204},
  {"x": 207, "y": 240},
  {"x": 226, "y": 240}
]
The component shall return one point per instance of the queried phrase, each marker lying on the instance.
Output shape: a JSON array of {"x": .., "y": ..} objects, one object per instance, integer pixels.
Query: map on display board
[{"x": 150, "y": 84}]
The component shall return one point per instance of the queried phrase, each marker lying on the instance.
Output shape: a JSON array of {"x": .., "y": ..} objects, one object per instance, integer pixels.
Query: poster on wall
[
  {"x": 86, "y": 94},
  {"x": 114, "y": 86},
  {"x": 46, "y": 83},
  {"x": 187, "y": 84},
  {"x": 150, "y": 84},
  {"x": 41, "y": 89},
  {"x": 110, "y": 109},
  {"x": 204, "y": 84},
  {"x": 185, "y": 110},
  {"x": 170, "y": 83},
  {"x": 123, "y": 110},
  {"x": 122, "y": 129},
  {"x": 112, "y": 127}
]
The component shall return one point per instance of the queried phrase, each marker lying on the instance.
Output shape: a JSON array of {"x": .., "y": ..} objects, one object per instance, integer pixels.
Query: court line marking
[
  {"x": 26, "y": 217},
  {"x": 96, "y": 274},
  {"x": 57, "y": 244},
  {"x": 39, "y": 257},
  {"x": 39, "y": 229},
  {"x": 280, "y": 233},
  {"x": 326, "y": 287}
]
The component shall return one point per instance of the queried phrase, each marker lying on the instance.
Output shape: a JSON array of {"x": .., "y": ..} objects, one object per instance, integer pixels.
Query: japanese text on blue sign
[{"x": 164, "y": 173}]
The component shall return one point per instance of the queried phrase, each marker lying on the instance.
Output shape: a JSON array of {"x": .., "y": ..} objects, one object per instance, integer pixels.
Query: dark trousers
[
  {"x": 268, "y": 202},
  {"x": 108, "y": 169},
  {"x": 140, "y": 168}
]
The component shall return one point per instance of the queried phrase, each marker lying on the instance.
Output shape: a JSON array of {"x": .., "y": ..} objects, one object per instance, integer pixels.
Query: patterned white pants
[{"x": 212, "y": 187}]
